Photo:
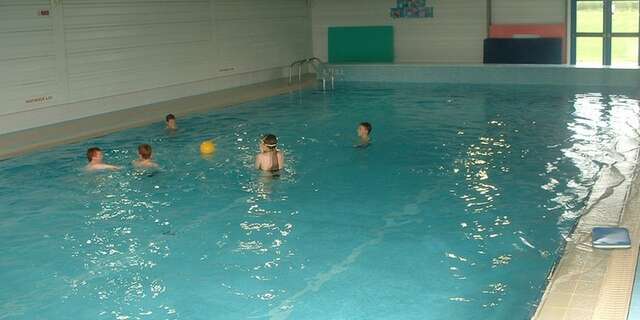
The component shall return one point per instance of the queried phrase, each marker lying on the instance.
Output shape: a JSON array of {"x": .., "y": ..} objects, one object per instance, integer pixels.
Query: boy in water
[
  {"x": 144, "y": 161},
  {"x": 171, "y": 122},
  {"x": 95, "y": 155},
  {"x": 364, "y": 129},
  {"x": 270, "y": 158}
]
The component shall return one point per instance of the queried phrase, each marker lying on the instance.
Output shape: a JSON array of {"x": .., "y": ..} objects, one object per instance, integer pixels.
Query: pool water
[{"x": 457, "y": 209}]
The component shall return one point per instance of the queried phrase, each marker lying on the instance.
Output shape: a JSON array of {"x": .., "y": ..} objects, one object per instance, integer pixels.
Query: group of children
[
  {"x": 144, "y": 161},
  {"x": 270, "y": 159}
]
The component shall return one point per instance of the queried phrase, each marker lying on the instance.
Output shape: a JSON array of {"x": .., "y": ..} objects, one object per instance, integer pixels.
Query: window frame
[{"x": 607, "y": 34}]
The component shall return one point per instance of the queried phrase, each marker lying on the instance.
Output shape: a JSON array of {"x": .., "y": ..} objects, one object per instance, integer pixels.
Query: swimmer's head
[
  {"x": 144, "y": 150},
  {"x": 94, "y": 153},
  {"x": 171, "y": 121},
  {"x": 364, "y": 129},
  {"x": 269, "y": 141}
]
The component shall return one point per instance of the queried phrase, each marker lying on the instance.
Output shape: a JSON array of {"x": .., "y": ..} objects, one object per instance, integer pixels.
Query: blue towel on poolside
[{"x": 610, "y": 238}]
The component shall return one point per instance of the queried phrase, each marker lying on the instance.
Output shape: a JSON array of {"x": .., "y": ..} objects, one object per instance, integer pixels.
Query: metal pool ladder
[{"x": 322, "y": 72}]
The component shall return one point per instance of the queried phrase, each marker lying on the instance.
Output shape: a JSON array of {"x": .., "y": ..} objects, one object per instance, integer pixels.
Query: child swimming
[
  {"x": 269, "y": 159},
  {"x": 144, "y": 160},
  {"x": 364, "y": 129},
  {"x": 170, "y": 119},
  {"x": 95, "y": 156}
]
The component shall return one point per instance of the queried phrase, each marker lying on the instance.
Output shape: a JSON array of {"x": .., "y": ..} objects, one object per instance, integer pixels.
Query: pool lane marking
[{"x": 284, "y": 309}]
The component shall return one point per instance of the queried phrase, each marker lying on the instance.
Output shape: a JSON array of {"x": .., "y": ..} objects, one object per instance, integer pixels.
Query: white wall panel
[
  {"x": 92, "y": 49},
  {"x": 19, "y": 15},
  {"x": 27, "y": 55},
  {"x": 528, "y": 11},
  {"x": 454, "y": 35},
  {"x": 255, "y": 33},
  {"x": 119, "y": 47}
]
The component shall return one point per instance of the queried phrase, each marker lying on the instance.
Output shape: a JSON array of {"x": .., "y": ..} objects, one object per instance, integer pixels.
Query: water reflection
[
  {"x": 477, "y": 165},
  {"x": 597, "y": 127},
  {"x": 118, "y": 252}
]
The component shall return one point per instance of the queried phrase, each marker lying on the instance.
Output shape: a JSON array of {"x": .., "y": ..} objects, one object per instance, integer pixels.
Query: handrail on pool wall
[{"x": 319, "y": 67}]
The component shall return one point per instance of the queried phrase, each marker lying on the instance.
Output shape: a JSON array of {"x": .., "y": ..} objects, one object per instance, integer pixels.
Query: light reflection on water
[{"x": 458, "y": 207}]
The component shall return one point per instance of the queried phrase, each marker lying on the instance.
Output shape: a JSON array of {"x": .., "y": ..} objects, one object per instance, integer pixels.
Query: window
[{"x": 605, "y": 32}]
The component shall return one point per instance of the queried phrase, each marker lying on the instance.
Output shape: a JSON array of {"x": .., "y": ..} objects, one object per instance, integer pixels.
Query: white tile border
[{"x": 490, "y": 74}]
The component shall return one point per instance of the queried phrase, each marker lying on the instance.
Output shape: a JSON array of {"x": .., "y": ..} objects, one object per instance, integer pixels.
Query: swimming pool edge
[
  {"x": 493, "y": 74},
  {"x": 589, "y": 283}
]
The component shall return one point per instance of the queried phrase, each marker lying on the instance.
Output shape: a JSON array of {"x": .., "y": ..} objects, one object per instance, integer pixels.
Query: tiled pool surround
[{"x": 489, "y": 74}]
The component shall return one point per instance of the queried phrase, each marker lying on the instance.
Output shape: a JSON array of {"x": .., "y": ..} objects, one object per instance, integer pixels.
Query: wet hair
[
  {"x": 145, "y": 151},
  {"x": 91, "y": 152},
  {"x": 170, "y": 116},
  {"x": 270, "y": 141},
  {"x": 367, "y": 126}
]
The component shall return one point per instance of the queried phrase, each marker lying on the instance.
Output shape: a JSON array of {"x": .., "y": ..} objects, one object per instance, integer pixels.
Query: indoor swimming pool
[{"x": 459, "y": 207}]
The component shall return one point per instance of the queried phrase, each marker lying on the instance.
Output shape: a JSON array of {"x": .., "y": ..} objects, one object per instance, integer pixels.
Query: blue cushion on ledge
[{"x": 610, "y": 238}]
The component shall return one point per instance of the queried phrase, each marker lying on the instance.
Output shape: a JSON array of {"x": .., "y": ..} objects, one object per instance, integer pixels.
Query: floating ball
[{"x": 207, "y": 147}]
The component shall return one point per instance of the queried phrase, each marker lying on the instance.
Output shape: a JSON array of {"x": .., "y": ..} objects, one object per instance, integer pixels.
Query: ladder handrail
[
  {"x": 300, "y": 63},
  {"x": 317, "y": 65},
  {"x": 307, "y": 60}
]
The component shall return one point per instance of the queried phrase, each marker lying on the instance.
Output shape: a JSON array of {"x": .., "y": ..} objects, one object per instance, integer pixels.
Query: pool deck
[
  {"x": 20, "y": 142},
  {"x": 634, "y": 311},
  {"x": 590, "y": 283}
]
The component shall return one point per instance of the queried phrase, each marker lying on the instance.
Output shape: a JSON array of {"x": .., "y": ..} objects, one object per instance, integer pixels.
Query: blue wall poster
[{"x": 411, "y": 9}]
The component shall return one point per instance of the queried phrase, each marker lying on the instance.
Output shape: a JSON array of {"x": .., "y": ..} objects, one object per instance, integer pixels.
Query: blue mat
[{"x": 610, "y": 238}]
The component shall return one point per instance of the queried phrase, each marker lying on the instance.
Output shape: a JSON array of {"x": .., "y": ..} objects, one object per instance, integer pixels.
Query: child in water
[
  {"x": 269, "y": 159},
  {"x": 144, "y": 160},
  {"x": 171, "y": 122},
  {"x": 364, "y": 129},
  {"x": 95, "y": 155}
]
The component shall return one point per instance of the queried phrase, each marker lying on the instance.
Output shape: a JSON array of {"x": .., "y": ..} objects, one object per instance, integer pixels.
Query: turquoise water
[{"x": 458, "y": 208}]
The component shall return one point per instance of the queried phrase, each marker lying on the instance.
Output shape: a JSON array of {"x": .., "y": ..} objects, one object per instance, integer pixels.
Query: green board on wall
[{"x": 361, "y": 44}]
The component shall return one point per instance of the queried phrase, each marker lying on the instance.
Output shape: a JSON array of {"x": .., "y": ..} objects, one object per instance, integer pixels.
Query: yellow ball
[{"x": 207, "y": 147}]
